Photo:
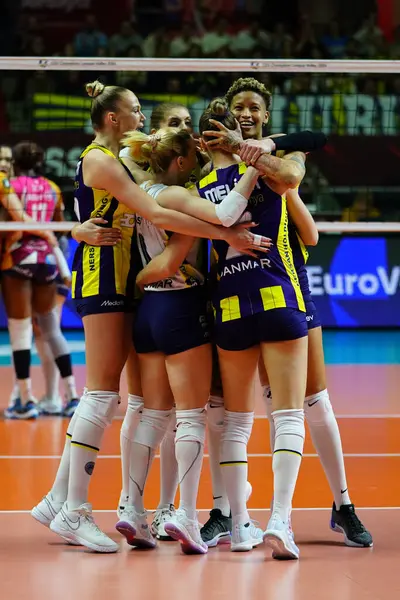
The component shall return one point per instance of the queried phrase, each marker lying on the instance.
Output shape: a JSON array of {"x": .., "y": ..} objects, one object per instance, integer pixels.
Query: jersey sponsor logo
[
  {"x": 368, "y": 284},
  {"x": 217, "y": 193},
  {"x": 127, "y": 220},
  {"x": 162, "y": 284},
  {"x": 92, "y": 260},
  {"x": 248, "y": 265},
  {"x": 112, "y": 303}
]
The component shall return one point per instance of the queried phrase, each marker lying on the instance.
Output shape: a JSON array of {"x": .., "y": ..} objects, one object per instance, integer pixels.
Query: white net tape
[{"x": 31, "y": 63}]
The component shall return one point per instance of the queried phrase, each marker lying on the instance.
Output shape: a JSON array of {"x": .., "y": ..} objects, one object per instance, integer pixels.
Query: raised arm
[
  {"x": 101, "y": 171},
  {"x": 302, "y": 218},
  {"x": 168, "y": 262},
  {"x": 226, "y": 213}
]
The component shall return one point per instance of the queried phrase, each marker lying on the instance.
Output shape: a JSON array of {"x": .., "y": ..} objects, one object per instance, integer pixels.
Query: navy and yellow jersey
[
  {"x": 152, "y": 241},
  {"x": 300, "y": 252},
  {"x": 249, "y": 285},
  {"x": 104, "y": 270}
]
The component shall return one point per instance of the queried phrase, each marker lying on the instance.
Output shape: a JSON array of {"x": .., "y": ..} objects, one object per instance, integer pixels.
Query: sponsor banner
[{"x": 354, "y": 280}]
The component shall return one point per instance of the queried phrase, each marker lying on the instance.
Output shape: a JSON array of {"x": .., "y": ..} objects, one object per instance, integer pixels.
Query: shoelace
[
  {"x": 355, "y": 524},
  {"x": 213, "y": 520}
]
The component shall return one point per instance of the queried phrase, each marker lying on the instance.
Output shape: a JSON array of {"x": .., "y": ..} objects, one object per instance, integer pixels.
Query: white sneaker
[
  {"x": 78, "y": 527},
  {"x": 245, "y": 537},
  {"x": 50, "y": 406},
  {"x": 46, "y": 510},
  {"x": 187, "y": 532},
  {"x": 123, "y": 502},
  {"x": 279, "y": 536},
  {"x": 162, "y": 516},
  {"x": 134, "y": 527}
]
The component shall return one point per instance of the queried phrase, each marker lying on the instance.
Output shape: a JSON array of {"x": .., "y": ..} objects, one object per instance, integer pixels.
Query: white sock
[
  {"x": 149, "y": 434},
  {"x": 325, "y": 435},
  {"x": 169, "y": 477},
  {"x": 215, "y": 422},
  {"x": 289, "y": 443},
  {"x": 96, "y": 411},
  {"x": 128, "y": 429},
  {"x": 189, "y": 450},
  {"x": 14, "y": 394},
  {"x": 59, "y": 490},
  {"x": 49, "y": 368},
  {"x": 235, "y": 437},
  {"x": 20, "y": 331},
  {"x": 267, "y": 397}
]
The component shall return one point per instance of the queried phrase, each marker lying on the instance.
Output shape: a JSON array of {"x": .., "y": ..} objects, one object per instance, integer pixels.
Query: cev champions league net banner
[{"x": 354, "y": 280}]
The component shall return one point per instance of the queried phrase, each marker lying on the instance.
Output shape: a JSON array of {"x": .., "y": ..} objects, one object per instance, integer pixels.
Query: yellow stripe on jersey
[
  {"x": 91, "y": 270},
  {"x": 303, "y": 249},
  {"x": 273, "y": 297},
  {"x": 242, "y": 168},
  {"x": 230, "y": 308},
  {"x": 73, "y": 283},
  {"x": 210, "y": 178},
  {"x": 122, "y": 253},
  {"x": 286, "y": 254},
  {"x": 97, "y": 147}
]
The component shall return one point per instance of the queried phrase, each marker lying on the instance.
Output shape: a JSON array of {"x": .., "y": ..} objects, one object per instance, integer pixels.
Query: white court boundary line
[
  {"x": 201, "y": 510},
  {"x": 116, "y": 456}
]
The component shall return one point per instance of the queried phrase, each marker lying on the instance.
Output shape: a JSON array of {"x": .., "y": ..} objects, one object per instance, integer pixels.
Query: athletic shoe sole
[
  {"x": 337, "y": 529},
  {"x": 280, "y": 550},
  {"x": 129, "y": 532},
  {"x": 180, "y": 534}
]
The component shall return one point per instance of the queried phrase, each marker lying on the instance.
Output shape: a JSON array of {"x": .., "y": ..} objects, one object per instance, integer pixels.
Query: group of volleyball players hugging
[
  {"x": 147, "y": 206},
  {"x": 35, "y": 282}
]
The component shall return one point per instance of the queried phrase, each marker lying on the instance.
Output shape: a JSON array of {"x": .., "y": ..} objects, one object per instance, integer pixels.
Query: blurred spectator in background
[
  {"x": 363, "y": 208},
  {"x": 156, "y": 45},
  {"x": 216, "y": 39},
  {"x": 394, "y": 48},
  {"x": 249, "y": 39},
  {"x": 88, "y": 41},
  {"x": 124, "y": 40},
  {"x": 367, "y": 37},
  {"x": 279, "y": 37},
  {"x": 37, "y": 46},
  {"x": 334, "y": 41},
  {"x": 182, "y": 44}
]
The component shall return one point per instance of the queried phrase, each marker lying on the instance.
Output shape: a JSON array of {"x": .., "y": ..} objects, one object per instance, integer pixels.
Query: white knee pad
[
  {"x": 20, "y": 331},
  {"x": 132, "y": 416},
  {"x": 191, "y": 425},
  {"x": 215, "y": 413},
  {"x": 318, "y": 408},
  {"x": 99, "y": 407},
  {"x": 152, "y": 427},
  {"x": 238, "y": 426}
]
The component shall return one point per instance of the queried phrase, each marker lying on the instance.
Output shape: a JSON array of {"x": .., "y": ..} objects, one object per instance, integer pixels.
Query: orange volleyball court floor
[{"x": 37, "y": 564}]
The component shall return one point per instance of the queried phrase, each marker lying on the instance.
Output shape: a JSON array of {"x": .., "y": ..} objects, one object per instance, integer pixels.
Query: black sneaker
[
  {"x": 346, "y": 521},
  {"x": 217, "y": 529}
]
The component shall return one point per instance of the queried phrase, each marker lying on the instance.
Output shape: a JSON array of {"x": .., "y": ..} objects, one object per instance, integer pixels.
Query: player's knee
[
  {"x": 215, "y": 413},
  {"x": 237, "y": 427},
  {"x": 318, "y": 408},
  {"x": 99, "y": 407},
  {"x": 152, "y": 427},
  {"x": 191, "y": 425}
]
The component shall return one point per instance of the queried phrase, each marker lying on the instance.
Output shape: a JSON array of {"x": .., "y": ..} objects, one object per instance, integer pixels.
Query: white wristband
[
  {"x": 231, "y": 208},
  {"x": 257, "y": 239}
]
